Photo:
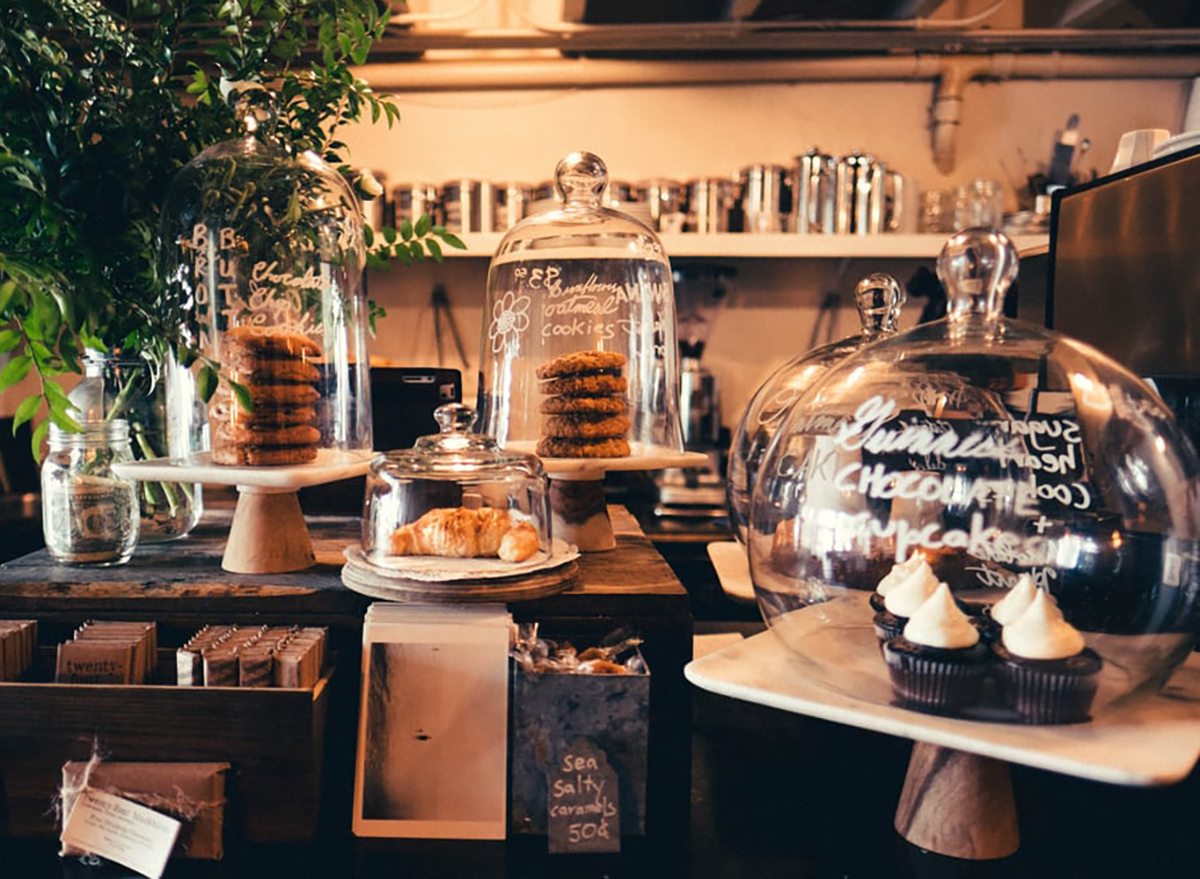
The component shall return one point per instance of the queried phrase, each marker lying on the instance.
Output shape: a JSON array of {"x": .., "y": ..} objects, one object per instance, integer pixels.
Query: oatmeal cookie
[
  {"x": 585, "y": 385},
  {"x": 585, "y": 426},
  {"x": 582, "y": 362},
  {"x": 266, "y": 455},
  {"x": 554, "y": 447},
  {"x": 608, "y": 405}
]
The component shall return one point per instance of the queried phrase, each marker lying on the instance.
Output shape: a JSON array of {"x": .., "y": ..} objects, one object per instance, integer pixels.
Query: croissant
[{"x": 456, "y": 532}]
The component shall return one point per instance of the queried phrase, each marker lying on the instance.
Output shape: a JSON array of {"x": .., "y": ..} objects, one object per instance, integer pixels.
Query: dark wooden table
[{"x": 181, "y": 586}]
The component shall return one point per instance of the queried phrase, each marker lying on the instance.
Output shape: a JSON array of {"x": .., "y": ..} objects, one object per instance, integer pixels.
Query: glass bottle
[{"x": 89, "y": 514}]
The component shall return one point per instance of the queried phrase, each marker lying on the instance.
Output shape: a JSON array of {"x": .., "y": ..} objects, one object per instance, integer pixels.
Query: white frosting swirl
[
  {"x": 1014, "y": 603},
  {"x": 1041, "y": 632},
  {"x": 940, "y": 623},
  {"x": 899, "y": 572},
  {"x": 910, "y": 591}
]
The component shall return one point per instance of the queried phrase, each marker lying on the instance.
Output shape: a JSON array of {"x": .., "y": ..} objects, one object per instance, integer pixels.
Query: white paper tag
[{"x": 122, "y": 831}]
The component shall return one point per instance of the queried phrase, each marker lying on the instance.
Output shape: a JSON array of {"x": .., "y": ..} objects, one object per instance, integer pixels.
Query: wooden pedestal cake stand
[
  {"x": 268, "y": 534},
  {"x": 577, "y": 504},
  {"x": 957, "y": 798}
]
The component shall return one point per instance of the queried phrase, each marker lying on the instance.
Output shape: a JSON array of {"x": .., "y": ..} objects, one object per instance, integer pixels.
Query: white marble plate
[
  {"x": 331, "y": 465},
  {"x": 733, "y": 569},
  {"x": 1149, "y": 741}
]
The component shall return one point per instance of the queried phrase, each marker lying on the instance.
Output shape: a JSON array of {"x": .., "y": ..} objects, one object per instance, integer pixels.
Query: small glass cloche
[
  {"x": 265, "y": 251},
  {"x": 879, "y": 299},
  {"x": 455, "y": 494},
  {"x": 579, "y": 356},
  {"x": 980, "y": 517}
]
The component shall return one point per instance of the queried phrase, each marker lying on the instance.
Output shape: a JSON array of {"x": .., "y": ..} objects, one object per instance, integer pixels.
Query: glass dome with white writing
[
  {"x": 579, "y": 354},
  {"x": 264, "y": 250},
  {"x": 879, "y": 299},
  {"x": 1008, "y": 462}
]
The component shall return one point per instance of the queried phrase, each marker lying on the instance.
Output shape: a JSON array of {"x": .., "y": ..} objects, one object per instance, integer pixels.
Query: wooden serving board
[{"x": 501, "y": 589}]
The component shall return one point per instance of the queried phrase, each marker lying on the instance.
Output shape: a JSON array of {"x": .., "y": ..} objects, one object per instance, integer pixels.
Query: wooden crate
[{"x": 272, "y": 737}]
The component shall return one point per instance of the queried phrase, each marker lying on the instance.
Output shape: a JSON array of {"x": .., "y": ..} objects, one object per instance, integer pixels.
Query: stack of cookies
[
  {"x": 584, "y": 413},
  {"x": 278, "y": 370}
]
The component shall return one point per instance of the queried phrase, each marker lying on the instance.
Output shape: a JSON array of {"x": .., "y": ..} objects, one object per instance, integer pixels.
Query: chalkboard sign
[{"x": 583, "y": 802}]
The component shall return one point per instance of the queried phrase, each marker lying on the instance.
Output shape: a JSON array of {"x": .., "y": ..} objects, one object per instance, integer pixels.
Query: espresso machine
[{"x": 701, "y": 290}]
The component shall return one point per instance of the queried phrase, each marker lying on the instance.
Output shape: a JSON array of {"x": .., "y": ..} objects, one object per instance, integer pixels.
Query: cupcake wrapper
[
  {"x": 1043, "y": 697},
  {"x": 935, "y": 684}
]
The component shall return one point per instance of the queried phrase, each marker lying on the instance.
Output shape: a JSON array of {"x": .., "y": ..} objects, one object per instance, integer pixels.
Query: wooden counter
[{"x": 182, "y": 586}]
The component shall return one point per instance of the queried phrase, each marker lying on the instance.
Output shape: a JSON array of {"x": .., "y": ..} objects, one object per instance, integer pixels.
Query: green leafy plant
[{"x": 103, "y": 102}]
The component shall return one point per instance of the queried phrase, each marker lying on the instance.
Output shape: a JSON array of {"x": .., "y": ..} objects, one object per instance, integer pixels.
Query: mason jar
[{"x": 89, "y": 514}]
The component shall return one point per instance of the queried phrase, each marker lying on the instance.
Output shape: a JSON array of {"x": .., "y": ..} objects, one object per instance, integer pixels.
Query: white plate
[
  {"x": 1178, "y": 143},
  {"x": 436, "y": 569},
  {"x": 640, "y": 457},
  {"x": 331, "y": 465},
  {"x": 1146, "y": 742},
  {"x": 733, "y": 569}
]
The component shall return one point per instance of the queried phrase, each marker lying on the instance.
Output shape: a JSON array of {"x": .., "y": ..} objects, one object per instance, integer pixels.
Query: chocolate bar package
[{"x": 193, "y": 793}]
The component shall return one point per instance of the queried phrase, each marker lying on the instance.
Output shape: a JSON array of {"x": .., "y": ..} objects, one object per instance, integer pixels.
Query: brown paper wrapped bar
[
  {"x": 256, "y": 666},
  {"x": 221, "y": 666},
  {"x": 194, "y": 793},
  {"x": 94, "y": 662},
  {"x": 143, "y": 636}
]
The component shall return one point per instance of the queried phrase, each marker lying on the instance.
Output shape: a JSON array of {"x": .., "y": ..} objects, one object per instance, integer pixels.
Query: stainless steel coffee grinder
[{"x": 701, "y": 290}]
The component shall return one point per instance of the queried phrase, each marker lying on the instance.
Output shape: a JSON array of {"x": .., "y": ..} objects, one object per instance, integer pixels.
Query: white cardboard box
[{"x": 433, "y": 722}]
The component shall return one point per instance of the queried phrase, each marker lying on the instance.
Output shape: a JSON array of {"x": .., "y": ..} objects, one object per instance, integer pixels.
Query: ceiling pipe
[{"x": 949, "y": 73}]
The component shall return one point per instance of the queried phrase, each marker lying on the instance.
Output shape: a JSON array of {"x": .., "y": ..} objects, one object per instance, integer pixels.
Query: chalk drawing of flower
[{"x": 510, "y": 316}]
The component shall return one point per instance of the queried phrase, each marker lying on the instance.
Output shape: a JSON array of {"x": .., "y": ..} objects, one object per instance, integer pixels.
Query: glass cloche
[
  {"x": 455, "y": 494},
  {"x": 879, "y": 299},
  {"x": 980, "y": 517},
  {"x": 579, "y": 356},
  {"x": 265, "y": 250}
]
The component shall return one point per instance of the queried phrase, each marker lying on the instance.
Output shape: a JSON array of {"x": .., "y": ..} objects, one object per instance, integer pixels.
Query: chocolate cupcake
[
  {"x": 1046, "y": 673},
  {"x": 1008, "y": 608},
  {"x": 939, "y": 663},
  {"x": 899, "y": 572},
  {"x": 908, "y": 592}
]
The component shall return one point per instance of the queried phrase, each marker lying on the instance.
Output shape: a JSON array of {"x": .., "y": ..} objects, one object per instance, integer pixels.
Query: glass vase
[{"x": 160, "y": 404}]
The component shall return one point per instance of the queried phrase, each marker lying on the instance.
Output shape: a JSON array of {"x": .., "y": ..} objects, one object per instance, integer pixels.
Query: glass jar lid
[
  {"x": 457, "y": 453},
  {"x": 998, "y": 459},
  {"x": 879, "y": 299},
  {"x": 579, "y": 325}
]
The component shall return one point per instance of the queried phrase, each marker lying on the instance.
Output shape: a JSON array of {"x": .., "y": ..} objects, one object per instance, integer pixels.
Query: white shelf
[{"x": 776, "y": 246}]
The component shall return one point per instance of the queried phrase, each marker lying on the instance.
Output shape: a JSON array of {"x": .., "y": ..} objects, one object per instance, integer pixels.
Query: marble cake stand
[
  {"x": 577, "y": 505},
  {"x": 957, "y": 798},
  {"x": 268, "y": 534}
]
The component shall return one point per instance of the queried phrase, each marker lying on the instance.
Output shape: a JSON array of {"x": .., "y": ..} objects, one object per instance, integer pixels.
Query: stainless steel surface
[
  {"x": 667, "y": 202},
  {"x": 813, "y": 202},
  {"x": 859, "y": 196},
  {"x": 467, "y": 206},
  {"x": 710, "y": 201},
  {"x": 765, "y": 195}
]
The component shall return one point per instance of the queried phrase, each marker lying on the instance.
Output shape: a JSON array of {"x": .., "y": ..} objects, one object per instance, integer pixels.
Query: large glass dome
[
  {"x": 879, "y": 299},
  {"x": 579, "y": 351},
  {"x": 1048, "y": 488},
  {"x": 265, "y": 250}
]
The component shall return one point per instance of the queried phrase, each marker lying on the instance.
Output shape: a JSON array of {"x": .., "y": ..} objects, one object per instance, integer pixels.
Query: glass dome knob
[
  {"x": 454, "y": 418},
  {"x": 977, "y": 266},
  {"x": 581, "y": 178},
  {"x": 255, "y": 108},
  {"x": 879, "y": 298}
]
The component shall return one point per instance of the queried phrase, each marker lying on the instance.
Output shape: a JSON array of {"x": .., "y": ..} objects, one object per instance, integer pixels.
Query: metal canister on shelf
[
  {"x": 467, "y": 205},
  {"x": 766, "y": 198},
  {"x": 859, "y": 197},
  {"x": 413, "y": 199},
  {"x": 667, "y": 202},
  {"x": 813, "y": 205},
  {"x": 711, "y": 205},
  {"x": 510, "y": 204}
]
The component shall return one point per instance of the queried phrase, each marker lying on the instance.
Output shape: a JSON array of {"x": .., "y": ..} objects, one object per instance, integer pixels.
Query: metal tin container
[
  {"x": 766, "y": 197},
  {"x": 859, "y": 184},
  {"x": 413, "y": 199},
  {"x": 813, "y": 205},
  {"x": 710, "y": 205}
]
